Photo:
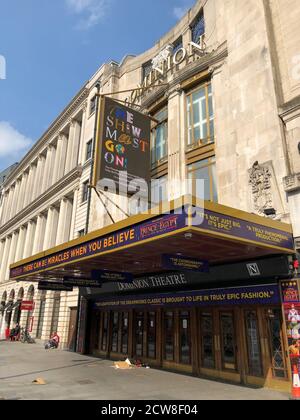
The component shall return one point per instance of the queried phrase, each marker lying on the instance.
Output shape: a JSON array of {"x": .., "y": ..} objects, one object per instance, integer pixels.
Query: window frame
[
  {"x": 85, "y": 192},
  {"x": 211, "y": 161},
  {"x": 189, "y": 95},
  {"x": 89, "y": 148},
  {"x": 93, "y": 104},
  {"x": 154, "y": 161},
  {"x": 194, "y": 23}
]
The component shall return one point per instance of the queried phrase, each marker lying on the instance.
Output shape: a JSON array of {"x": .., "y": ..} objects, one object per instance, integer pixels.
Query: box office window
[
  {"x": 203, "y": 182},
  {"x": 159, "y": 137},
  {"x": 200, "y": 115}
]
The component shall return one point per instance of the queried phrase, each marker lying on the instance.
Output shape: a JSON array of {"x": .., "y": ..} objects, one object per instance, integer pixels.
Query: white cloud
[
  {"x": 92, "y": 11},
  {"x": 12, "y": 143},
  {"x": 179, "y": 12}
]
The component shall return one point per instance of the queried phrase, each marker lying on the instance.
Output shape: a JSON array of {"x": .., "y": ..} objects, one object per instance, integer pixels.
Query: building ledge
[{"x": 292, "y": 182}]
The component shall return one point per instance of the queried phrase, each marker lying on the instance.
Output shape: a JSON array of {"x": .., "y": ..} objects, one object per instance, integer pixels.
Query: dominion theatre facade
[{"x": 200, "y": 280}]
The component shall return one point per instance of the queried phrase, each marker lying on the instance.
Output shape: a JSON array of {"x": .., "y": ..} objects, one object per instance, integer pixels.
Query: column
[
  {"x": 60, "y": 158},
  {"x": 47, "y": 176},
  {"x": 174, "y": 143},
  {"x": 74, "y": 212},
  {"x": 64, "y": 221},
  {"x": 12, "y": 252},
  {"x": 30, "y": 185},
  {"x": 20, "y": 244},
  {"x": 75, "y": 144},
  {"x": 4, "y": 260},
  {"x": 2, "y": 246},
  {"x": 39, "y": 234},
  {"x": 48, "y": 316},
  {"x": 4, "y": 207},
  {"x": 82, "y": 145},
  {"x": 9, "y": 206},
  {"x": 16, "y": 198},
  {"x": 29, "y": 239},
  {"x": 51, "y": 228},
  {"x": 38, "y": 177},
  {"x": 70, "y": 147},
  {"x": 21, "y": 200}
]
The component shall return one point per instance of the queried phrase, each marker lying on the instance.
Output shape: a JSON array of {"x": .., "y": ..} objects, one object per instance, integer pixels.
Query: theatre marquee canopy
[{"x": 202, "y": 230}]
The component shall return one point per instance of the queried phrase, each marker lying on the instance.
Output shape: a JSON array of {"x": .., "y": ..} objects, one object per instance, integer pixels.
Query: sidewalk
[{"x": 70, "y": 376}]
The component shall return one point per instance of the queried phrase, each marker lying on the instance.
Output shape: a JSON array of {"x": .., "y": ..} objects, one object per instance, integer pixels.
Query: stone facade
[{"x": 250, "y": 61}]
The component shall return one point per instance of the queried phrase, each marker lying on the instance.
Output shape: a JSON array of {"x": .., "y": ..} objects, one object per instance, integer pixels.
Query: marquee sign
[
  {"x": 260, "y": 295},
  {"x": 150, "y": 229},
  {"x": 123, "y": 149},
  {"x": 238, "y": 228}
]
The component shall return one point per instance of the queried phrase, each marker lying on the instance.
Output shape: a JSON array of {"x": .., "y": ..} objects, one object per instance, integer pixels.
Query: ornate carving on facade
[{"x": 260, "y": 180}]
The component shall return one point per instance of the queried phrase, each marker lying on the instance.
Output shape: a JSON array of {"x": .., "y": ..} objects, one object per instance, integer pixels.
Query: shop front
[{"x": 197, "y": 290}]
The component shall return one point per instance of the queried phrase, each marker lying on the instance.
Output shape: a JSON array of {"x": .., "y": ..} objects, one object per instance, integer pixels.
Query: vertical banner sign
[
  {"x": 291, "y": 305},
  {"x": 122, "y": 149}
]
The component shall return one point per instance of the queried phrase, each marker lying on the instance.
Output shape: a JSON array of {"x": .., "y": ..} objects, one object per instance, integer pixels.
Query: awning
[{"x": 195, "y": 229}]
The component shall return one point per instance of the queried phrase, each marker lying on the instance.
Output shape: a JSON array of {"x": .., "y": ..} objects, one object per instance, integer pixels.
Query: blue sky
[{"x": 51, "y": 48}]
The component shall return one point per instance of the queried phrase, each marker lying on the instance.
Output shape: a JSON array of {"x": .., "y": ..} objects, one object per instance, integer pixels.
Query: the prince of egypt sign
[{"x": 123, "y": 149}]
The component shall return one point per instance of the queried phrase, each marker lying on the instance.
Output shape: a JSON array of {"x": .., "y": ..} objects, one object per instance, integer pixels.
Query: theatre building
[{"x": 195, "y": 279}]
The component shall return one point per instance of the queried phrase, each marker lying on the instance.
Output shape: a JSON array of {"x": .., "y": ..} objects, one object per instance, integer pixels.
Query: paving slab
[{"x": 70, "y": 376}]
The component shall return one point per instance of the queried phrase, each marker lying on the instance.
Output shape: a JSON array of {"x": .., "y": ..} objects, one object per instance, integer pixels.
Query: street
[{"x": 69, "y": 376}]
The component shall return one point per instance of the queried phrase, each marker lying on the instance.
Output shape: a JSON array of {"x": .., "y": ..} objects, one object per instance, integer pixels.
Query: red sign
[{"x": 27, "y": 305}]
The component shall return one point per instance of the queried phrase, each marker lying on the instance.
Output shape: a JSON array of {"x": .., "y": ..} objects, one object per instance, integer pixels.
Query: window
[
  {"x": 81, "y": 233},
  {"x": 93, "y": 105},
  {"x": 201, "y": 172},
  {"x": 198, "y": 28},
  {"x": 147, "y": 68},
  {"x": 159, "y": 138},
  {"x": 200, "y": 115},
  {"x": 85, "y": 192},
  {"x": 89, "y": 147},
  {"x": 177, "y": 45}
]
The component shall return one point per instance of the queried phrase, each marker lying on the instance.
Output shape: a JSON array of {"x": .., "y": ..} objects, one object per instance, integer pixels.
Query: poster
[
  {"x": 292, "y": 318},
  {"x": 123, "y": 149}
]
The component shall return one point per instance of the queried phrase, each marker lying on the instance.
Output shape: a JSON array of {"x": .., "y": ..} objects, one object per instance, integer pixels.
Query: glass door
[
  {"x": 253, "y": 344},
  {"x": 228, "y": 342},
  {"x": 207, "y": 340},
  {"x": 275, "y": 338},
  {"x": 139, "y": 333},
  {"x": 151, "y": 335},
  {"x": 169, "y": 336},
  {"x": 115, "y": 332},
  {"x": 185, "y": 337}
]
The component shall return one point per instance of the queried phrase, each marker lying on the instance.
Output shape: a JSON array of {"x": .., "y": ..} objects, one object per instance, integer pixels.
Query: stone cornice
[
  {"x": 67, "y": 180},
  {"x": 54, "y": 128}
]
